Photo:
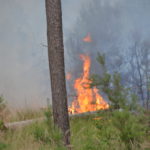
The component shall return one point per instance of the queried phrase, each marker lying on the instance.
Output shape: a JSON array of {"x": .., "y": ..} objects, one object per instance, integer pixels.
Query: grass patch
[
  {"x": 102, "y": 131},
  {"x": 27, "y": 115}
]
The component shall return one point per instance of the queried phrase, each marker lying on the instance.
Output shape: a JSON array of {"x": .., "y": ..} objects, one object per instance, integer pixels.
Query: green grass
[{"x": 113, "y": 131}]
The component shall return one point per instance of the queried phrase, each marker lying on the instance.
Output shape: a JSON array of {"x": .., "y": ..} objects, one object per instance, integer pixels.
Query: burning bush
[
  {"x": 88, "y": 99},
  {"x": 118, "y": 95}
]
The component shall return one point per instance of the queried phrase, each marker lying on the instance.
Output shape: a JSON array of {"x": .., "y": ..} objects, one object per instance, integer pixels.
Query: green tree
[{"x": 110, "y": 84}]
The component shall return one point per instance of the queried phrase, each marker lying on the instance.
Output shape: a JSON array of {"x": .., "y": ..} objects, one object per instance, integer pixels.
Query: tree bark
[{"x": 57, "y": 67}]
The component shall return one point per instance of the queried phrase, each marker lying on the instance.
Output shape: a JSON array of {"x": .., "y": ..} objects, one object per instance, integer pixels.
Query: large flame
[{"x": 88, "y": 99}]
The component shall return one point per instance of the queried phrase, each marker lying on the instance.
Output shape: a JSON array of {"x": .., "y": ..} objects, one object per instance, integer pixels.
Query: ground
[{"x": 103, "y": 130}]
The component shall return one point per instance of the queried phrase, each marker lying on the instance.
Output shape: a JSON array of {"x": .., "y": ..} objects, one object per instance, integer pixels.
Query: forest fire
[{"x": 88, "y": 99}]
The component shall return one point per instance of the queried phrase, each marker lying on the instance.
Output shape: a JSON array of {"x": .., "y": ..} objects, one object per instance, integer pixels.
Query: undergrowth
[{"x": 106, "y": 130}]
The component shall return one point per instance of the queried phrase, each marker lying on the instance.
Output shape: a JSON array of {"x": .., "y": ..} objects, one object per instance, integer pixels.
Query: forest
[{"x": 97, "y": 78}]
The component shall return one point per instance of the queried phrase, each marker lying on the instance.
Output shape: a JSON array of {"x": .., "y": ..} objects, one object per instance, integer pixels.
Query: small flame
[
  {"x": 88, "y": 99},
  {"x": 68, "y": 76},
  {"x": 87, "y": 39}
]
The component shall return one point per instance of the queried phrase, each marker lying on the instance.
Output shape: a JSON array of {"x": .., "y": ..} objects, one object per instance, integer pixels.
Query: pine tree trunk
[{"x": 57, "y": 68}]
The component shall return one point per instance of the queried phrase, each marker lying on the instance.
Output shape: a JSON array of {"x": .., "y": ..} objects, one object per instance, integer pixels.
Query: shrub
[
  {"x": 40, "y": 134},
  {"x": 2, "y": 126},
  {"x": 2, "y": 146},
  {"x": 2, "y": 107},
  {"x": 108, "y": 135},
  {"x": 3, "y": 110},
  {"x": 131, "y": 131},
  {"x": 118, "y": 95},
  {"x": 2, "y": 104}
]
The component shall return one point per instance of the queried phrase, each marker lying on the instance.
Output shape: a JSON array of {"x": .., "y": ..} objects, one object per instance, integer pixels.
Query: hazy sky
[{"x": 24, "y": 76}]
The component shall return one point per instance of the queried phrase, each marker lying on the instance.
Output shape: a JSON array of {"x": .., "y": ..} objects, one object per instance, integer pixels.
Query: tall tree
[
  {"x": 139, "y": 70},
  {"x": 57, "y": 68}
]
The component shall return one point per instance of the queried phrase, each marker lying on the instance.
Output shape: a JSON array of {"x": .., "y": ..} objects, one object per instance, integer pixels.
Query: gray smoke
[
  {"x": 111, "y": 25},
  {"x": 24, "y": 75}
]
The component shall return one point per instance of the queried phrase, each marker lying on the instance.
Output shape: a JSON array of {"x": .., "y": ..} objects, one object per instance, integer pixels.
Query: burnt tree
[{"x": 57, "y": 67}]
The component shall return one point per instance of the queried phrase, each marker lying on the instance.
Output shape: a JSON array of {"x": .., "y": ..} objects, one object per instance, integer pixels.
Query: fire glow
[
  {"x": 68, "y": 76},
  {"x": 88, "y": 99},
  {"x": 87, "y": 39}
]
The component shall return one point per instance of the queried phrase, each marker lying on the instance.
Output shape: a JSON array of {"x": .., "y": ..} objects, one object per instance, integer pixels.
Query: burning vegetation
[
  {"x": 87, "y": 99},
  {"x": 88, "y": 38},
  {"x": 68, "y": 76}
]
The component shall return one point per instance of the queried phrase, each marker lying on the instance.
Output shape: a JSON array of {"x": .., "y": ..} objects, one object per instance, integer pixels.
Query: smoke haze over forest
[{"x": 24, "y": 74}]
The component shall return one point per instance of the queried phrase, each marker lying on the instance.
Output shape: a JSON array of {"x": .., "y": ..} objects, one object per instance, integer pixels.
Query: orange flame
[
  {"x": 87, "y": 38},
  {"x": 68, "y": 76},
  {"x": 88, "y": 99}
]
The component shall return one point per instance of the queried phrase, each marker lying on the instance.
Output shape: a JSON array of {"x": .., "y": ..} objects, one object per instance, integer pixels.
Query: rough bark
[{"x": 57, "y": 68}]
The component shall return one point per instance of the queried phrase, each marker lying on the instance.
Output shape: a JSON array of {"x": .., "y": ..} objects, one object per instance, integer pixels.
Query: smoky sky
[
  {"x": 24, "y": 75},
  {"x": 111, "y": 25}
]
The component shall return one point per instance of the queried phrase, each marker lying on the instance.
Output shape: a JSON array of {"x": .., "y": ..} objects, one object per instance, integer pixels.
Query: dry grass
[{"x": 87, "y": 134}]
